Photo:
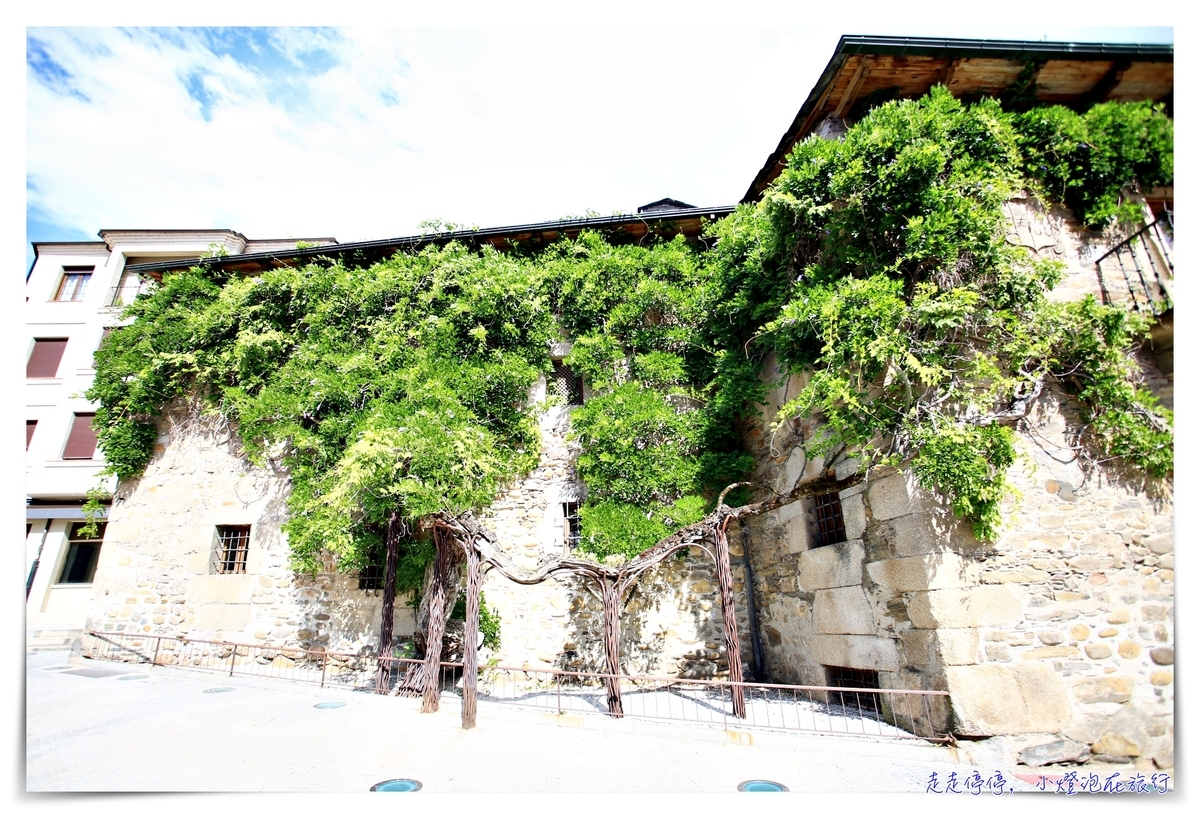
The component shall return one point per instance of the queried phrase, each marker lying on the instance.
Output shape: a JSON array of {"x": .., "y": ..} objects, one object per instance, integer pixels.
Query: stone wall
[
  {"x": 1058, "y": 635},
  {"x": 155, "y": 571},
  {"x": 671, "y": 624}
]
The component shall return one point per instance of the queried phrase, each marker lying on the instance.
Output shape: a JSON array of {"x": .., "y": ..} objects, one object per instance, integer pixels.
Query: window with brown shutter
[
  {"x": 74, "y": 283},
  {"x": 44, "y": 360},
  {"x": 81, "y": 442},
  {"x": 30, "y": 425}
]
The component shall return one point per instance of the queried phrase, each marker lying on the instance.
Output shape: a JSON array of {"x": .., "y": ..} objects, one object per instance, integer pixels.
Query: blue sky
[{"x": 364, "y": 133}]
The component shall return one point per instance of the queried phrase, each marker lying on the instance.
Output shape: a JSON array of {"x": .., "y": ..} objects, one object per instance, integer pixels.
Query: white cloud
[{"x": 483, "y": 126}]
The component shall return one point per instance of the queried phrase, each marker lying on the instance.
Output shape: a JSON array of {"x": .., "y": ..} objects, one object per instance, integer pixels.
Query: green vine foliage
[{"x": 876, "y": 264}]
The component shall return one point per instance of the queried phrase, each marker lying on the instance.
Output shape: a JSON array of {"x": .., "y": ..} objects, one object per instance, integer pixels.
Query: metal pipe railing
[
  {"x": 1151, "y": 267},
  {"x": 859, "y": 711}
]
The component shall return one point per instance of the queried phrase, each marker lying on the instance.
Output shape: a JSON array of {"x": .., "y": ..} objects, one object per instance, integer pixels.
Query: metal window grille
[
  {"x": 828, "y": 525},
  {"x": 566, "y": 384},
  {"x": 570, "y": 526},
  {"x": 74, "y": 284},
  {"x": 853, "y": 677},
  {"x": 370, "y": 578},
  {"x": 233, "y": 541},
  {"x": 79, "y": 566}
]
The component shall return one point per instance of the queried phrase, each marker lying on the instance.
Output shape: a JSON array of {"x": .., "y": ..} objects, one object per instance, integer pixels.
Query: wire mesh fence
[{"x": 866, "y": 712}]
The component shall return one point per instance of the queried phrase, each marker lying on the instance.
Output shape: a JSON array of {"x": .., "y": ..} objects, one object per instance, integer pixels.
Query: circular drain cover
[
  {"x": 218, "y": 690},
  {"x": 397, "y": 785},
  {"x": 758, "y": 785},
  {"x": 133, "y": 677},
  {"x": 329, "y": 705}
]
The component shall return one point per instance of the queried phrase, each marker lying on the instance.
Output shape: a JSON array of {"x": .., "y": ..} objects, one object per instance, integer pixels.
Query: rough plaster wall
[
  {"x": 155, "y": 575},
  {"x": 671, "y": 623}
]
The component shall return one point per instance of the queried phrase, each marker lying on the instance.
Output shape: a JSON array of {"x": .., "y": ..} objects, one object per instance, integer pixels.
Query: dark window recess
[
  {"x": 566, "y": 384},
  {"x": 233, "y": 541},
  {"x": 827, "y": 523},
  {"x": 570, "y": 525},
  {"x": 82, "y": 553},
  {"x": 74, "y": 283},
  {"x": 43, "y": 361},
  {"x": 81, "y": 442},
  {"x": 30, "y": 425},
  {"x": 857, "y": 702},
  {"x": 370, "y": 578}
]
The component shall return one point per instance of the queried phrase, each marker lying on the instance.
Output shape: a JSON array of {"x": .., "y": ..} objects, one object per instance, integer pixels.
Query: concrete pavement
[{"x": 101, "y": 726}]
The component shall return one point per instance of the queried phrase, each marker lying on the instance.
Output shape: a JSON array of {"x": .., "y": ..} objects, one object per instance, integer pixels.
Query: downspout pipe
[{"x": 751, "y": 605}]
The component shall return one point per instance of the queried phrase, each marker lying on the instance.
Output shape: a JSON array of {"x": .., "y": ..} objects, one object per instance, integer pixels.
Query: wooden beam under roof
[{"x": 909, "y": 66}]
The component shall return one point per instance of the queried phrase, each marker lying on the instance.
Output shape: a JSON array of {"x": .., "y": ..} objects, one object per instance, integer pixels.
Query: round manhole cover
[
  {"x": 397, "y": 785},
  {"x": 218, "y": 690},
  {"x": 759, "y": 785},
  {"x": 329, "y": 705}
]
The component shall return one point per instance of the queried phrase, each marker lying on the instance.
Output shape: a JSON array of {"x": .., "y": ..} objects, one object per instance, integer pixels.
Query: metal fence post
[
  {"x": 157, "y": 647},
  {"x": 232, "y": 658},
  {"x": 324, "y": 664},
  {"x": 558, "y": 692}
]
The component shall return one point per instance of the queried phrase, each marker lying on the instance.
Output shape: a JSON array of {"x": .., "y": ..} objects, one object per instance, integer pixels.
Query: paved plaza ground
[{"x": 100, "y": 726}]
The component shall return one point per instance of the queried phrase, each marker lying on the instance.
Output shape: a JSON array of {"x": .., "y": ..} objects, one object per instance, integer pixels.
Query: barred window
[
  {"x": 233, "y": 541},
  {"x": 570, "y": 526},
  {"x": 370, "y": 577},
  {"x": 828, "y": 527},
  {"x": 566, "y": 384},
  {"x": 79, "y": 566},
  {"x": 853, "y": 677}
]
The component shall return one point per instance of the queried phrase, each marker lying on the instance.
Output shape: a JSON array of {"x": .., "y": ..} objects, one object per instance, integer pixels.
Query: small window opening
[
  {"x": 566, "y": 384},
  {"x": 79, "y": 567},
  {"x": 857, "y": 701},
  {"x": 828, "y": 527},
  {"x": 570, "y": 526},
  {"x": 233, "y": 541},
  {"x": 370, "y": 577}
]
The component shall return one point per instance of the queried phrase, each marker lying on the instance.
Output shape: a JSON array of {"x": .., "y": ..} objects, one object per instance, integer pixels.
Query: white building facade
[{"x": 74, "y": 294}]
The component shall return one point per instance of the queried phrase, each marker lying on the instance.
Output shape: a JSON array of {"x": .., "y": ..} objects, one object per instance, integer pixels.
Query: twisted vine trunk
[
  {"x": 471, "y": 637},
  {"x": 395, "y": 531},
  {"x": 437, "y": 620},
  {"x": 610, "y": 591},
  {"x": 733, "y": 646}
]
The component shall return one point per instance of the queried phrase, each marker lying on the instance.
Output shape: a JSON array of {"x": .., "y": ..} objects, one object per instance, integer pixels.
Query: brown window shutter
[
  {"x": 30, "y": 425},
  {"x": 81, "y": 443},
  {"x": 47, "y": 352}
]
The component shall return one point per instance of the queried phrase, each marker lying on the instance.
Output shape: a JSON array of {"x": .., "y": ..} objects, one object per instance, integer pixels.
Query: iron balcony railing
[
  {"x": 1139, "y": 272},
  {"x": 127, "y": 292},
  {"x": 858, "y": 711}
]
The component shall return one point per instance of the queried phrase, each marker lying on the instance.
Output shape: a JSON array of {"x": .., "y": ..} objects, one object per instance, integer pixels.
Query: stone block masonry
[
  {"x": 156, "y": 572},
  {"x": 1060, "y": 630}
]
